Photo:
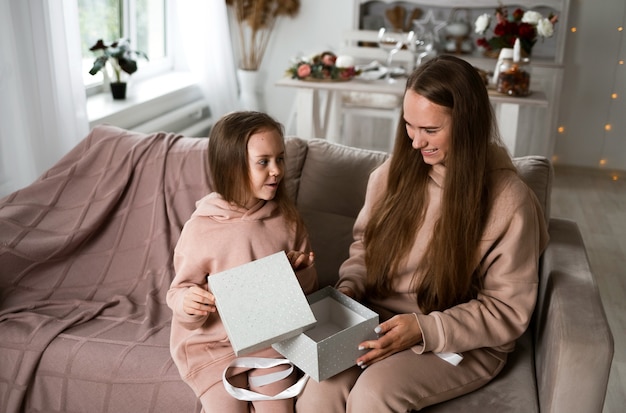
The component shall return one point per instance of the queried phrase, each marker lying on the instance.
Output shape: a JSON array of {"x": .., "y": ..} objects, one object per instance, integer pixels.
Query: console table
[{"x": 321, "y": 118}]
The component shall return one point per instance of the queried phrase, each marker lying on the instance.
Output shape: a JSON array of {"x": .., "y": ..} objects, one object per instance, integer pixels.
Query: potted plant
[{"x": 120, "y": 58}]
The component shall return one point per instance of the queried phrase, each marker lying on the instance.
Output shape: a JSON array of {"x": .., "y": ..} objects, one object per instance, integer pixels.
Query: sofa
[{"x": 86, "y": 260}]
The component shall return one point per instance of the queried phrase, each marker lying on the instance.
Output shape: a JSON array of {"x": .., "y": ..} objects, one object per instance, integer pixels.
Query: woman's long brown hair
[
  {"x": 448, "y": 273},
  {"x": 228, "y": 161}
]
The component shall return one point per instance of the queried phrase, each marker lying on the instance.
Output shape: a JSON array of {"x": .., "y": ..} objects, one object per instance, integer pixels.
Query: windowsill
[{"x": 142, "y": 98}]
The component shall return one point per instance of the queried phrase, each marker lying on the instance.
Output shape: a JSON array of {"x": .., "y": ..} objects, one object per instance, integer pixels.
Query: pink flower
[
  {"x": 329, "y": 59},
  {"x": 304, "y": 70},
  {"x": 347, "y": 73}
]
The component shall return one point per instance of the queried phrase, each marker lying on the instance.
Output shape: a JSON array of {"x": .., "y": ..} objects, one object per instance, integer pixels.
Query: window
[{"x": 144, "y": 22}]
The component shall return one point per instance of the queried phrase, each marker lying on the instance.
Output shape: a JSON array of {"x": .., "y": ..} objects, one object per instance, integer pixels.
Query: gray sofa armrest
[{"x": 573, "y": 341}]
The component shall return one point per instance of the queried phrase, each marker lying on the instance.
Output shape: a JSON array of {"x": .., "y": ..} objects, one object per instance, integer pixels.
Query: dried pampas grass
[{"x": 255, "y": 22}]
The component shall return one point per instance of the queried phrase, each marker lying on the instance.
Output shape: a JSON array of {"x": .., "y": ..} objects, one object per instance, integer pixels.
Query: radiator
[{"x": 193, "y": 119}]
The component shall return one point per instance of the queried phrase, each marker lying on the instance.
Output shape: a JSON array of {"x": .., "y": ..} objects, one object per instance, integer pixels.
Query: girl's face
[
  {"x": 429, "y": 126},
  {"x": 266, "y": 165}
]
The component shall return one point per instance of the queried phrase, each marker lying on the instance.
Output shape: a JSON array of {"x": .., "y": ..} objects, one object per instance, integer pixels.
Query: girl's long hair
[
  {"x": 447, "y": 274},
  {"x": 228, "y": 161}
]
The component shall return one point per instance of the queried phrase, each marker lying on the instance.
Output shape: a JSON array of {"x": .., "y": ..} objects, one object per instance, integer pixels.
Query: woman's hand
[
  {"x": 300, "y": 259},
  {"x": 198, "y": 301},
  {"x": 399, "y": 333}
]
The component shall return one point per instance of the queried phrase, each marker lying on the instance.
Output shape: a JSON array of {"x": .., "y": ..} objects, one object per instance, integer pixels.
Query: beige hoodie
[
  {"x": 219, "y": 236},
  {"x": 515, "y": 237}
]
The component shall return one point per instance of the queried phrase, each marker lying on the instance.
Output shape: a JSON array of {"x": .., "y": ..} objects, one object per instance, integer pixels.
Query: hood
[{"x": 215, "y": 207}]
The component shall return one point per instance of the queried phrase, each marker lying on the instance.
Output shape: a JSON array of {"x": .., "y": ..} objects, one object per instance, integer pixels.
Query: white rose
[
  {"x": 532, "y": 17},
  {"x": 545, "y": 28},
  {"x": 344, "y": 61},
  {"x": 482, "y": 23}
]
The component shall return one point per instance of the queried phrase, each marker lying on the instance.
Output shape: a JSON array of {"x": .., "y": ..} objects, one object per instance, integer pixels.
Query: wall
[
  {"x": 591, "y": 76},
  {"x": 316, "y": 28}
]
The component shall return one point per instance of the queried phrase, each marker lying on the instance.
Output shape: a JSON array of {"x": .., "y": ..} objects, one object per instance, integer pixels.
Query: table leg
[
  {"x": 308, "y": 123},
  {"x": 507, "y": 115},
  {"x": 333, "y": 117}
]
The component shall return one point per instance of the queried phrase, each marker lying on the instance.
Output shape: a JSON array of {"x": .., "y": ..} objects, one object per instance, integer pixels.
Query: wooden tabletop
[{"x": 536, "y": 97}]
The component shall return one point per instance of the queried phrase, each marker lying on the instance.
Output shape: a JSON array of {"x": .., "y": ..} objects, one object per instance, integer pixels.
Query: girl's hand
[
  {"x": 300, "y": 259},
  {"x": 198, "y": 301},
  {"x": 399, "y": 333}
]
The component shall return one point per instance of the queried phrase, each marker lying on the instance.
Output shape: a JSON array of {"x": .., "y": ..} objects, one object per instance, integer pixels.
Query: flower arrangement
[
  {"x": 255, "y": 22},
  {"x": 118, "y": 55},
  {"x": 324, "y": 66},
  {"x": 525, "y": 25}
]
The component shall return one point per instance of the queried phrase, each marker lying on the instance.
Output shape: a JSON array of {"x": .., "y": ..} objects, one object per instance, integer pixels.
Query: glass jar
[{"x": 513, "y": 78}]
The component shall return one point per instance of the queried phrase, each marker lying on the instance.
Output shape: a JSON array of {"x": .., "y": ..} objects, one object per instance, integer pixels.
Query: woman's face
[
  {"x": 429, "y": 126},
  {"x": 266, "y": 164}
]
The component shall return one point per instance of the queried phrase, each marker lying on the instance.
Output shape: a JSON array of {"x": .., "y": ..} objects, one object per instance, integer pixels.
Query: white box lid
[{"x": 261, "y": 303}]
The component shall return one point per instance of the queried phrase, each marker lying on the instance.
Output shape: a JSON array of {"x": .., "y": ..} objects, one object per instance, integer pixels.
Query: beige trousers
[{"x": 403, "y": 382}]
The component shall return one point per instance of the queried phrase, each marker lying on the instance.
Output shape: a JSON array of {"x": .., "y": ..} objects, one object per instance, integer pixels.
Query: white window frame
[{"x": 149, "y": 69}]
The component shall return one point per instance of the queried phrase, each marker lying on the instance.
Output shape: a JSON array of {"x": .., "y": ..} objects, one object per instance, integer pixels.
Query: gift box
[
  {"x": 331, "y": 346},
  {"x": 261, "y": 303}
]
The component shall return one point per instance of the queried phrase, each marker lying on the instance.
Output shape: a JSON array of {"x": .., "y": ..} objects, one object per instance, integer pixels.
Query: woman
[{"x": 445, "y": 249}]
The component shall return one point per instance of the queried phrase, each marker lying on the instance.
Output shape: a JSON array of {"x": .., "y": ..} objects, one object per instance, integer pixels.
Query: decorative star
[{"x": 429, "y": 25}]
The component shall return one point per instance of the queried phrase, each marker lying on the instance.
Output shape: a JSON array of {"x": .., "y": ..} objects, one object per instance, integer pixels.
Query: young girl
[{"x": 249, "y": 216}]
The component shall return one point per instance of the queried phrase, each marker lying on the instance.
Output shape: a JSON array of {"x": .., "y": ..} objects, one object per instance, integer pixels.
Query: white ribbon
[{"x": 263, "y": 380}]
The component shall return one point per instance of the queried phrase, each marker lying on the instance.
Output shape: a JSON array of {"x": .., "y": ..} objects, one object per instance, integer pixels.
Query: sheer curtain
[
  {"x": 42, "y": 98},
  {"x": 205, "y": 39}
]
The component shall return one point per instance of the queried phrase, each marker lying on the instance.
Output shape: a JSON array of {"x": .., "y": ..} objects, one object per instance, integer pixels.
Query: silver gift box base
[{"x": 331, "y": 346}]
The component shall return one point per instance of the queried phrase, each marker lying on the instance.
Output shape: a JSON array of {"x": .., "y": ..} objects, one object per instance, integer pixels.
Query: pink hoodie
[{"x": 219, "y": 236}]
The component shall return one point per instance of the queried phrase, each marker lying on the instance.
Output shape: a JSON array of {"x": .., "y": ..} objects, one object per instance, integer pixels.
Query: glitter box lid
[{"x": 261, "y": 303}]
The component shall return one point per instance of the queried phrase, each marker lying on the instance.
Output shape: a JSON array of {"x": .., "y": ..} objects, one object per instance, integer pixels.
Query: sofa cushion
[
  {"x": 334, "y": 177},
  {"x": 331, "y": 236},
  {"x": 331, "y": 193},
  {"x": 514, "y": 390},
  {"x": 538, "y": 173},
  {"x": 295, "y": 153}
]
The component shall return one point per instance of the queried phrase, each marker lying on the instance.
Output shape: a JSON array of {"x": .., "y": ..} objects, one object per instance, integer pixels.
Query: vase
[
  {"x": 118, "y": 90},
  {"x": 249, "y": 96}
]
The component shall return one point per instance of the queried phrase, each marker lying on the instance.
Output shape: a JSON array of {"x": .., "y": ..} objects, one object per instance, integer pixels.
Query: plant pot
[{"x": 118, "y": 90}]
